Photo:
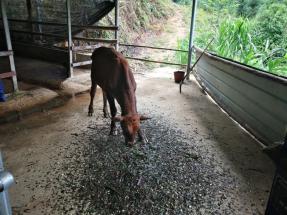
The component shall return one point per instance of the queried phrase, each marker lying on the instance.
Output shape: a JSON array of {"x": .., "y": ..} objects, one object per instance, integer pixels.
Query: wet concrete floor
[{"x": 215, "y": 167}]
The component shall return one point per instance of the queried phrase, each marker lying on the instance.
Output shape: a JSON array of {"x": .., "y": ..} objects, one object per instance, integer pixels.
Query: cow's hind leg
[
  {"x": 113, "y": 109},
  {"x": 92, "y": 94},
  {"x": 105, "y": 107}
]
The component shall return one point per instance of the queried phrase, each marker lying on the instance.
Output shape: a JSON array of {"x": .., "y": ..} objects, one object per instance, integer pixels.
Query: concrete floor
[{"x": 34, "y": 146}]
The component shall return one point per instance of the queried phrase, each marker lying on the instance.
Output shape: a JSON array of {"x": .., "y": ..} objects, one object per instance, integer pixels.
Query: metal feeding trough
[{"x": 277, "y": 204}]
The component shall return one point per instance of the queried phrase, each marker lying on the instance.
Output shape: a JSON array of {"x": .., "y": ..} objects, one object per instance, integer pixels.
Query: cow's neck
[{"x": 128, "y": 103}]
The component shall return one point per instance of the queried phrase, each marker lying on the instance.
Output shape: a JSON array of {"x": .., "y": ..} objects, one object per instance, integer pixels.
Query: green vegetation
[
  {"x": 253, "y": 32},
  {"x": 183, "y": 2},
  {"x": 182, "y": 57},
  {"x": 138, "y": 16}
]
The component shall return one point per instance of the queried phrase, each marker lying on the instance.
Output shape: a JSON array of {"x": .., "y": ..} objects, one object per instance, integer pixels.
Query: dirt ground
[{"x": 197, "y": 161}]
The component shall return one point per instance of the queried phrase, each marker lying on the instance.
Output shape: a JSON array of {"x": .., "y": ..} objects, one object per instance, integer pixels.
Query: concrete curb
[{"x": 38, "y": 100}]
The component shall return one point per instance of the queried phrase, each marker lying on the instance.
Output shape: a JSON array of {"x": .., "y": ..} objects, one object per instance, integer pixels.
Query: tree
[
  {"x": 249, "y": 8},
  {"x": 270, "y": 24}
]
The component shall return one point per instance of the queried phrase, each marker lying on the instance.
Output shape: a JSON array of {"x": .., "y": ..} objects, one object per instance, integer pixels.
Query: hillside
[
  {"x": 251, "y": 32},
  {"x": 139, "y": 16},
  {"x": 153, "y": 23},
  {"x": 136, "y": 17}
]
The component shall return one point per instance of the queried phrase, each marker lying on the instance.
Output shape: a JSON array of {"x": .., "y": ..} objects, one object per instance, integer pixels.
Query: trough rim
[{"x": 246, "y": 68}]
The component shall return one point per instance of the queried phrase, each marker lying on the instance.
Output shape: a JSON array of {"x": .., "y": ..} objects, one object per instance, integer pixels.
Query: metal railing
[
  {"x": 152, "y": 47},
  {"x": 155, "y": 48},
  {"x": 74, "y": 49},
  {"x": 68, "y": 36}
]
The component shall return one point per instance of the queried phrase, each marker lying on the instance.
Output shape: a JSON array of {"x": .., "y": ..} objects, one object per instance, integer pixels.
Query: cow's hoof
[
  {"x": 145, "y": 140},
  {"x": 107, "y": 115},
  {"x": 91, "y": 111},
  {"x": 142, "y": 138},
  {"x": 130, "y": 144},
  {"x": 113, "y": 132}
]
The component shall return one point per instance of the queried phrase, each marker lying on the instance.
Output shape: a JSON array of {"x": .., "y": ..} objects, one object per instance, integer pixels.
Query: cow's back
[{"x": 110, "y": 70}]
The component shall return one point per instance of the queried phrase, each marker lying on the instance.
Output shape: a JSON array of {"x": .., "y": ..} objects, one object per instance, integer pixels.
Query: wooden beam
[
  {"x": 7, "y": 75},
  {"x": 82, "y": 48},
  {"x": 99, "y": 40},
  {"x": 96, "y": 27},
  {"x": 88, "y": 62},
  {"x": 5, "y": 53},
  {"x": 155, "y": 61},
  {"x": 38, "y": 33},
  {"x": 152, "y": 47}
]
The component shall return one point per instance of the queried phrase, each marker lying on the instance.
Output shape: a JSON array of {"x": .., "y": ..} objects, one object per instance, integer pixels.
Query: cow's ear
[
  {"x": 117, "y": 118},
  {"x": 142, "y": 118}
]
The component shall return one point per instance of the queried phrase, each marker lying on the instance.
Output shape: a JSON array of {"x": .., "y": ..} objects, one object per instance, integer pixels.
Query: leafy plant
[
  {"x": 234, "y": 41},
  {"x": 220, "y": 7},
  {"x": 183, "y": 2},
  {"x": 271, "y": 24},
  {"x": 249, "y": 8},
  {"x": 274, "y": 60},
  {"x": 182, "y": 57}
]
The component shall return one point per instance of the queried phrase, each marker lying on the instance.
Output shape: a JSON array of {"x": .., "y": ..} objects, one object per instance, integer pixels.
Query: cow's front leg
[
  {"x": 142, "y": 137},
  {"x": 92, "y": 95},
  {"x": 113, "y": 110}
]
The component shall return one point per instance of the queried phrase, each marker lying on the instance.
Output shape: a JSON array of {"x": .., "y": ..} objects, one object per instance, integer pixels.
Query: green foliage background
[{"x": 253, "y": 32}]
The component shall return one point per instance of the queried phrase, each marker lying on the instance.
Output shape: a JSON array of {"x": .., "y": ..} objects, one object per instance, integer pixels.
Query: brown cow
[{"x": 111, "y": 71}]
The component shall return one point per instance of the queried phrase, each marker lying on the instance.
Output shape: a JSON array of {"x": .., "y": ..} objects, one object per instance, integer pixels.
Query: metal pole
[
  {"x": 9, "y": 45},
  {"x": 39, "y": 13},
  {"x": 117, "y": 23},
  {"x": 29, "y": 9},
  {"x": 70, "y": 41},
  {"x": 191, "y": 35},
  {"x": 5, "y": 207}
]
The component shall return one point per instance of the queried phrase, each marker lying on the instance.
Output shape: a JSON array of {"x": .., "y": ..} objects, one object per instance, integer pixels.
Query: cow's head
[{"x": 130, "y": 125}]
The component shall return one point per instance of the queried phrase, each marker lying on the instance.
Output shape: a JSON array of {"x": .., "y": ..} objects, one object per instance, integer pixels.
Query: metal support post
[
  {"x": 39, "y": 13},
  {"x": 29, "y": 10},
  {"x": 6, "y": 180},
  {"x": 70, "y": 41},
  {"x": 191, "y": 35},
  {"x": 9, "y": 45},
  {"x": 117, "y": 23}
]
